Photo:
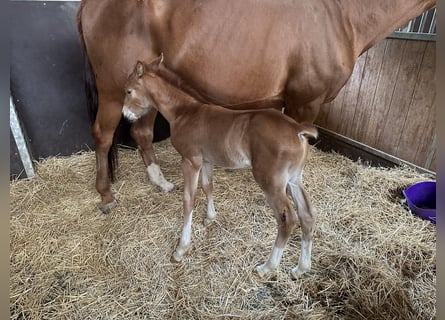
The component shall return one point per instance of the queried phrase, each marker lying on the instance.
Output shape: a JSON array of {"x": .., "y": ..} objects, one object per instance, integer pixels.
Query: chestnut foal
[{"x": 208, "y": 135}]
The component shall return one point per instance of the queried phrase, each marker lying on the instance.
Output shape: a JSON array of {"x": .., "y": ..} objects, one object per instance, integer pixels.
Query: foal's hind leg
[
  {"x": 190, "y": 172},
  {"x": 207, "y": 186},
  {"x": 307, "y": 215},
  {"x": 142, "y": 133},
  {"x": 286, "y": 219}
]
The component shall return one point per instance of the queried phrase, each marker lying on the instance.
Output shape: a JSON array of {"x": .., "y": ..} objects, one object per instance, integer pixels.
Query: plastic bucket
[{"x": 421, "y": 199}]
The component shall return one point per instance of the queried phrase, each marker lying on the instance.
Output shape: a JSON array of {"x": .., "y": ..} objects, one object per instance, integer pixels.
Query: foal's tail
[
  {"x": 92, "y": 95},
  {"x": 307, "y": 131}
]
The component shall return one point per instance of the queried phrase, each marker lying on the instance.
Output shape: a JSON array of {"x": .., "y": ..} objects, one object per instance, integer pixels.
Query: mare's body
[{"x": 232, "y": 51}]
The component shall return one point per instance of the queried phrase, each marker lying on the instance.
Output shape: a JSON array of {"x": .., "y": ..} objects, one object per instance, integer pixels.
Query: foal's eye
[{"x": 128, "y": 92}]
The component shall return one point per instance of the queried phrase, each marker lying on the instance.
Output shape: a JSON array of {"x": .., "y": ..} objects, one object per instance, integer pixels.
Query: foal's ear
[
  {"x": 156, "y": 62},
  {"x": 139, "y": 69}
]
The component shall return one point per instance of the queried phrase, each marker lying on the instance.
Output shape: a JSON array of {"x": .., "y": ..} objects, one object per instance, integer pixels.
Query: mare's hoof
[{"x": 105, "y": 208}]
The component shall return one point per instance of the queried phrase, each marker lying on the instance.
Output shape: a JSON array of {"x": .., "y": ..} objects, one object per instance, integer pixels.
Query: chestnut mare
[
  {"x": 207, "y": 135},
  {"x": 232, "y": 51}
]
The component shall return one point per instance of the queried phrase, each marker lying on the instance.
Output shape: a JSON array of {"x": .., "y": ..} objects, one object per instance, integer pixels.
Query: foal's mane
[{"x": 175, "y": 80}]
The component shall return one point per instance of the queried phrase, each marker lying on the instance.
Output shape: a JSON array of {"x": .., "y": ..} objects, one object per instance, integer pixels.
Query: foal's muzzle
[{"x": 128, "y": 114}]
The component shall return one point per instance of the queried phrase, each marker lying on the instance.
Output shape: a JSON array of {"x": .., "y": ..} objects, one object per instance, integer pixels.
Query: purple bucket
[{"x": 421, "y": 198}]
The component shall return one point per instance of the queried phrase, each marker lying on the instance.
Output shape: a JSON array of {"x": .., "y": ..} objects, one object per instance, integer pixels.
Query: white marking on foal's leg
[
  {"x": 304, "y": 262},
  {"x": 272, "y": 263},
  {"x": 184, "y": 242},
  {"x": 157, "y": 178},
  {"x": 211, "y": 213}
]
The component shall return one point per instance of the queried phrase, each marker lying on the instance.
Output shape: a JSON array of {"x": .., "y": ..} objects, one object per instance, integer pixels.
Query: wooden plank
[
  {"x": 334, "y": 109},
  {"x": 431, "y": 153},
  {"x": 384, "y": 92},
  {"x": 350, "y": 99},
  {"x": 432, "y": 166},
  {"x": 427, "y": 139},
  {"x": 388, "y": 138},
  {"x": 419, "y": 128},
  {"x": 323, "y": 115},
  {"x": 373, "y": 66},
  {"x": 427, "y": 136}
]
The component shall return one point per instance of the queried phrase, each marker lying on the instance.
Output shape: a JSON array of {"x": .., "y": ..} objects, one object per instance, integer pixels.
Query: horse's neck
[
  {"x": 372, "y": 21},
  {"x": 170, "y": 100},
  {"x": 166, "y": 73}
]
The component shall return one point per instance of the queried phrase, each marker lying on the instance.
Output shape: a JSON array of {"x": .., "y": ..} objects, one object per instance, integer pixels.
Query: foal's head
[{"x": 138, "y": 100}]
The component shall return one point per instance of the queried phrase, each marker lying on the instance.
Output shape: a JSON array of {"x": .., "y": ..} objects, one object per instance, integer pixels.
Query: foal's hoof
[
  {"x": 296, "y": 273},
  {"x": 261, "y": 270},
  {"x": 105, "y": 208},
  {"x": 167, "y": 186},
  {"x": 207, "y": 222},
  {"x": 175, "y": 258}
]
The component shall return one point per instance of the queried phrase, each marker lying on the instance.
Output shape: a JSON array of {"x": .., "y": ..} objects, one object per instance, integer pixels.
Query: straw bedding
[{"x": 371, "y": 258}]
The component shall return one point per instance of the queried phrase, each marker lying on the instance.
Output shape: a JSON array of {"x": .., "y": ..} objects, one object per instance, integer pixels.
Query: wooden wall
[{"x": 389, "y": 102}]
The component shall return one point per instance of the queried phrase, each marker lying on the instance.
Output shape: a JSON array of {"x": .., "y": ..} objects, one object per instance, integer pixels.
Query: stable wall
[{"x": 389, "y": 102}]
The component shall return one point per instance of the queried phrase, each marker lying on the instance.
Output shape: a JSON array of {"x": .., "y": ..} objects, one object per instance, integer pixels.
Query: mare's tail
[{"x": 92, "y": 96}]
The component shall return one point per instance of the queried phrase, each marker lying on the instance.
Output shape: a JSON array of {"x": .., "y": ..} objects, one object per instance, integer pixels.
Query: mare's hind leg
[
  {"x": 207, "y": 186},
  {"x": 142, "y": 133},
  {"x": 286, "y": 219},
  {"x": 306, "y": 214},
  {"x": 107, "y": 119},
  {"x": 190, "y": 172}
]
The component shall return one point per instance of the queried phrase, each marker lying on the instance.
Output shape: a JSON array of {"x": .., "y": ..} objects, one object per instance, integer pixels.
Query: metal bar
[
  {"x": 433, "y": 22},
  {"x": 410, "y": 26},
  {"x": 374, "y": 151},
  {"x": 422, "y": 22},
  {"x": 412, "y": 36},
  {"x": 407, "y": 27},
  {"x": 20, "y": 139}
]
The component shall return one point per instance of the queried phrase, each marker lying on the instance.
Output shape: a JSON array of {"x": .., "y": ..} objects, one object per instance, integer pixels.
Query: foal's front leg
[
  {"x": 190, "y": 172},
  {"x": 142, "y": 133}
]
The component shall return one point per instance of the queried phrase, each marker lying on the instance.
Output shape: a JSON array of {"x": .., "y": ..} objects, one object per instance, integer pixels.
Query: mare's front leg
[
  {"x": 107, "y": 119},
  {"x": 207, "y": 186},
  {"x": 190, "y": 170},
  {"x": 301, "y": 112},
  {"x": 142, "y": 133}
]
